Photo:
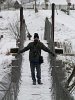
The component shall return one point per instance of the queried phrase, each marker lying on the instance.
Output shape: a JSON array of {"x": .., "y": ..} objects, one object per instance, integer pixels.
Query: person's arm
[
  {"x": 24, "y": 49},
  {"x": 46, "y": 49}
]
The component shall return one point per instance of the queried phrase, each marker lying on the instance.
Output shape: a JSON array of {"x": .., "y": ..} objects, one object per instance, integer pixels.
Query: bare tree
[
  {"x": 9, "y": 3},
  {"x": 15, "y": 29}
]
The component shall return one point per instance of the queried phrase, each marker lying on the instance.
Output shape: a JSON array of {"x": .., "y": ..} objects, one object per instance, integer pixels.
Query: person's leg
[
  {"x": 32, "y": 66},
  {"x": 38, "y": 69}
]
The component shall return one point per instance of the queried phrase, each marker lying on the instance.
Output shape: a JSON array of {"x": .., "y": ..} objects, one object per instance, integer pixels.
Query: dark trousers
[{"x": 36, "y": 67}]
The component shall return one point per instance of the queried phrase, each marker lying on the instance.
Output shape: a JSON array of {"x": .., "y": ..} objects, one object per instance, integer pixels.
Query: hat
[{"x": 36, "y": 35}]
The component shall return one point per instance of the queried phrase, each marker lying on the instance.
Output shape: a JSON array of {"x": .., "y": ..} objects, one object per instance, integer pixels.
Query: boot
[
  {"x": 39, "y": 82},
  {"x": 34, "y": 82}
]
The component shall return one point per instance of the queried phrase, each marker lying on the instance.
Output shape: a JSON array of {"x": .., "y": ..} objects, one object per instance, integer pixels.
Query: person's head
[{"x": 36, "y": 37}]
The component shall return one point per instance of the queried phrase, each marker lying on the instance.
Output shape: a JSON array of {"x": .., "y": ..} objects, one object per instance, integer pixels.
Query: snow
[
  {"x": 73, "y": 1},
  {"x": 64, "y": 30},
  {"x": 58, "y": 2}
]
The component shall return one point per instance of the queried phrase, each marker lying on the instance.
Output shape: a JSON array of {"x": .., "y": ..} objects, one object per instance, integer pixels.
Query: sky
[{"x": 64, "y": 30}]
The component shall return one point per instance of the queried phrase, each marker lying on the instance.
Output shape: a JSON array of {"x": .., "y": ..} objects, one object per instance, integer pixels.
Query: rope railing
[
  {"x": 59, "y": 91},
  {"x": 12, "y": 91},
  {"x": 8, "y": 94}
]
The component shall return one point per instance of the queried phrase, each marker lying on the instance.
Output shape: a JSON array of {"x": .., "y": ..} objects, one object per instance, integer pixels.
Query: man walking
[{"x": 35, "y": 48}]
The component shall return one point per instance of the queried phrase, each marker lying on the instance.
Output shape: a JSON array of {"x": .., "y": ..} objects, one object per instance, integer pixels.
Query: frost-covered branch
[{"x": 14, "y": 28}]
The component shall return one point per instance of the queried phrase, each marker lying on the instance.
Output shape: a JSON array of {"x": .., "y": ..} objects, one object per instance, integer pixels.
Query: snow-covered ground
[{"x": 64, "y": 30}]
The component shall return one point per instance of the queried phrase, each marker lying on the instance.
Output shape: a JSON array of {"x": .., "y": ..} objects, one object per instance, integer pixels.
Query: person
[
  {"x": 35, "y": 48},
  {"x": 29, "y": 36}
]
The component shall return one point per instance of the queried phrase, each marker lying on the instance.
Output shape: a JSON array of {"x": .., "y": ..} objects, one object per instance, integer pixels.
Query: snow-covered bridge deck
[{"x": 27, "y": 91}]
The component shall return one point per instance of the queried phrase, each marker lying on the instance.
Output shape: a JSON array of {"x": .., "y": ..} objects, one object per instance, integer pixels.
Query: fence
[
  {"x": 58, "y": 75},
  {"x": 39, "y": 6}
]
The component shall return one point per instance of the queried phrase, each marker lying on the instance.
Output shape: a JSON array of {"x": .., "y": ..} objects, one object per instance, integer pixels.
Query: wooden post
[
  {"x": 35, "y": 6},
  {"x": 68, "y": 6},
  {"x": 36, "y": 10},
  {"x": 21, "y": 16},
  {"x": 24, "y": 30},
  {"x": 52, "y": 36},
  {"x": 53, "y": 9},
  {"x": 73, "y": 6},
  {"x": 46, "y": 29},
  {"x": 21, "y": 24},
  {"x": 68, "y": 9}
]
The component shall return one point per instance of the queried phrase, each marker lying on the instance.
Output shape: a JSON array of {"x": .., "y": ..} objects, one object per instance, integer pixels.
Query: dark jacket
[{"x": 31, "y": 46}]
